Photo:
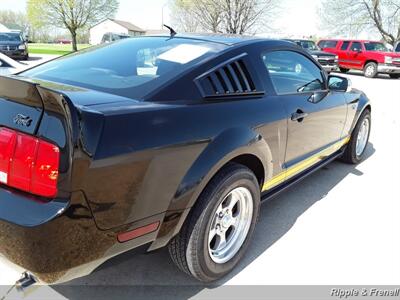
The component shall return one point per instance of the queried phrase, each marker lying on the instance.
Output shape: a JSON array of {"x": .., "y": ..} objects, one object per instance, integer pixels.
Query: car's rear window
[{"x": 130, "y": 67}]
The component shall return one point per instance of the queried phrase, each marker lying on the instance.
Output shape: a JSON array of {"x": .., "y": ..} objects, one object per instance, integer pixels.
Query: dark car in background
[
  {"x": 327, "y": 60},
  {"x": 14, "y": 45},
  {"x": 163, "y": 141}
]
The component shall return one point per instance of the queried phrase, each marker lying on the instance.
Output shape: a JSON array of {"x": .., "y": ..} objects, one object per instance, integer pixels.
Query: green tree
[
  {"x": 14, "y": 20},
  {"x": 74, "y": 15}
]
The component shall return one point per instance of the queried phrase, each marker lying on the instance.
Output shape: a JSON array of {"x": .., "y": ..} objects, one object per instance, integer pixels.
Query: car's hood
[{"x": 320, "y": 53}]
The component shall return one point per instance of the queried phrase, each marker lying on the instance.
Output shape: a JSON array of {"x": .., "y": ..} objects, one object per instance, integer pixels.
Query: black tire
[
  {"x": 350, "y": 156},
  {"x": 371, "y": 70},
  {"x": 189, "y": 249},
  {"x": 394, "y": 76},
  {"x": 343, "y": 70}
]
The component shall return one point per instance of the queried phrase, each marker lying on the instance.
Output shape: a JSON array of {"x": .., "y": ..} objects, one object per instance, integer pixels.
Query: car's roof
[
  {"x": 226, "y": 39},
  {"x": 300, "y": 40}
]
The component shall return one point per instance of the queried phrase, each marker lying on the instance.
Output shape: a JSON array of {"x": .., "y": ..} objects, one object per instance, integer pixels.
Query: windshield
[
  {"x": 309, "y": 45},
  {"x": 374, "y": 46},
  {"x": 129, "y": 67},
  {"x": 10, "y": 37}
]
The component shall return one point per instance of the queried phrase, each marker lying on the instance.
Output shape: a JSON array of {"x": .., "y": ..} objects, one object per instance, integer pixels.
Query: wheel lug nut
[{"x": 221, "y": 215}]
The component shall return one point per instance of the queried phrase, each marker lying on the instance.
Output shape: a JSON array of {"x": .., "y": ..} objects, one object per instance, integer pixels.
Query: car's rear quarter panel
[{"x": 145, "y": 162}]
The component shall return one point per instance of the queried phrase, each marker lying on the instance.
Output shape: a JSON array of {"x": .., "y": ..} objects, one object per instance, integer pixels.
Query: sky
[{"x": 297, "y": 18}]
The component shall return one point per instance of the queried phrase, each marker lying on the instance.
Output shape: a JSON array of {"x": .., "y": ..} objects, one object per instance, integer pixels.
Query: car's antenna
[{"x": 172, "y": 32}]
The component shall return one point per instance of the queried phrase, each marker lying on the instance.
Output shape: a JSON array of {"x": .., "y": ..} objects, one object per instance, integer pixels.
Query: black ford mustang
[{"x": 157, "y": 141}]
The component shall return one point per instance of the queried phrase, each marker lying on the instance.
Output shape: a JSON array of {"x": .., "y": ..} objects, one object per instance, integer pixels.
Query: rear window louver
[{"x": 229, "y": 79}]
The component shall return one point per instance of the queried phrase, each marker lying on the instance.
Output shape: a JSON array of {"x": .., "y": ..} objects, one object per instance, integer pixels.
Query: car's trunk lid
[{"x": 21, "y": 106}]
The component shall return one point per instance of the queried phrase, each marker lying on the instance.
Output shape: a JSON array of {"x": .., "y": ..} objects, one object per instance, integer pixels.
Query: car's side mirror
[{"x": 339, "y": 84}]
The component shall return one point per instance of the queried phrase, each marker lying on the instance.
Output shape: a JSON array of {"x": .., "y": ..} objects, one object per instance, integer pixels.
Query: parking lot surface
[
  {"x": 36, "y": 59},
  {"x": 340, "y": 226}
]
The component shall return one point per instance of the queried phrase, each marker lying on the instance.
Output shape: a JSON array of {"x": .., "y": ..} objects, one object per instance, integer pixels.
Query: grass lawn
[{"x": 56, "y": 49}]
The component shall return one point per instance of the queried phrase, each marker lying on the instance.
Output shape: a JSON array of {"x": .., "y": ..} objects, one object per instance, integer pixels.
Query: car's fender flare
[
  {"x": 227, "y": 146},
  {"x": 362, "y": 104}
]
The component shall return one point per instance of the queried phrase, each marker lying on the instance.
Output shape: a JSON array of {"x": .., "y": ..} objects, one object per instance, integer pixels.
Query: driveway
[{"x": 341, "y": 226}]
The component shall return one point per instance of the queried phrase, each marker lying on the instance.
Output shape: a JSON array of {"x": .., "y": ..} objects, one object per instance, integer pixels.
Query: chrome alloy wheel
[
  {"x": 230, "y": 225},
  {"x": 370, "y": 71},
  {"x": 362, "y": 137}
]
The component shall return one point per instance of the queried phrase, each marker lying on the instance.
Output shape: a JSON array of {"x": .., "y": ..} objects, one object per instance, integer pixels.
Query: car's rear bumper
[
  {"x": 388, "y": 69},
  {"x": 57, "y": 241},
  {"x": 20, "y": 209}
]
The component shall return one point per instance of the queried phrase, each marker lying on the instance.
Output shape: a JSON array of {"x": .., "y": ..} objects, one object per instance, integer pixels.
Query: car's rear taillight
[{"x": 28, "y": 163}]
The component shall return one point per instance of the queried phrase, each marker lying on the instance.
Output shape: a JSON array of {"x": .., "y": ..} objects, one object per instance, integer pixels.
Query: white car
[{"x": 9, "y": 66}]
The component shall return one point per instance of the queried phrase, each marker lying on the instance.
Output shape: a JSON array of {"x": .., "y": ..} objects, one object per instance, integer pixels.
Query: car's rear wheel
[
  {"x": 359, "y": 139},
  {"x": 220, "y": 226},
  {"x": 371, "y": 70},
  {"x": 343, "y": 70},
  {"x": 394, "y": 76}
]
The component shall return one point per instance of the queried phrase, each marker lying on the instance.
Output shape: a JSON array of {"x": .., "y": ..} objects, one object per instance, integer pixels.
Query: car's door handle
[{"x": 299, "y": 115}]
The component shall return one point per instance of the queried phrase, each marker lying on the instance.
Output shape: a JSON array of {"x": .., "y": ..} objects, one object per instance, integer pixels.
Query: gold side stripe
[{"x": 301, "y": 166}]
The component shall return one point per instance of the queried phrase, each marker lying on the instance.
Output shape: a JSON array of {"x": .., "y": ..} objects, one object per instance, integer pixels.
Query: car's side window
[
  {"x": 397, "y": 48},
  {"x": 345, "y": 45},
  {"x": 356, "y": 46},
  {"x": 292, "y": 72}
]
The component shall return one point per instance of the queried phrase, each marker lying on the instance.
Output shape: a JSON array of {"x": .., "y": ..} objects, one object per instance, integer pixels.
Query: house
[
  {"x": 156, "y": 32},
  {"x": 113, "y": 26},
  {"x": 3, "y": 28}
]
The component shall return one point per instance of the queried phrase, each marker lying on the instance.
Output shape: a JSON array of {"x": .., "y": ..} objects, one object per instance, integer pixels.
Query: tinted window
[
  {"x": 374, "y": 46},
  {"x": 129, "y": 67},
  {"x": 355, "y": 46},
  {"x": 397, "y": 48},
  {"x": 309, "y": 45},
  {"x": 328, "y": 44},
  {"x": 345, "y": 45},
  {"x": 292, "y": 72},
  {"x": 10, "y": 37}
]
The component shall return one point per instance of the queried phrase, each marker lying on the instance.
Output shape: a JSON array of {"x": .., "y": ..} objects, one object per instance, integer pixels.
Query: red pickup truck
[{"x": 369, "y": 56}]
